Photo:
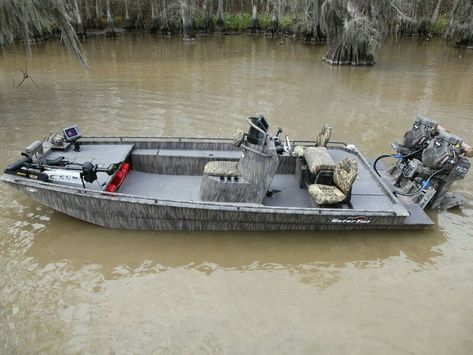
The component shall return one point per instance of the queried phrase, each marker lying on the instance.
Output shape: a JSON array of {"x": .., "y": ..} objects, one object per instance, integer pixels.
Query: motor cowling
[
  {"x": 420, "y": 135},
  {"x": 442, "y": 151}
]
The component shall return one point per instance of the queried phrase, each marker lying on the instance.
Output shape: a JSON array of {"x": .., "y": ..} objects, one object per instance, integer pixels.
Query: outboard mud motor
[
  {"x": 443, "y": 163},
  {"x": 430, "y": 160}
]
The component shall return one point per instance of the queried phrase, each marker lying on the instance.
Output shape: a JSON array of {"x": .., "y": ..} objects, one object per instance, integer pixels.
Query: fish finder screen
[{"x": 71, "y": 132}]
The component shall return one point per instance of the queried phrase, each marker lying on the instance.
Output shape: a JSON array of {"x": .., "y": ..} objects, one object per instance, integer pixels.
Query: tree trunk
[
  {"x": 98, "y": 15},
  {"x": 274, "y": 19},
  {"x": 356, "y": 44},
  {"x": 110, "y": 28},
  {"x": 165, "y": 25},
  {"x": 254, "y": 24},
  {"x": 138, "y": 20},
  {"x": 154, "y": 16},
  {"x": 460, "y": 28},
  {"x": 88, "y": 15},
  {"x": 220, "y": 22},
  {"x": 207, "y": 21},
  {"x": 187, "y": 28},
  {"x": 129, "y": 24},
  {"x": 79, "y": 26},
  {"x": 435, "y": 15}
]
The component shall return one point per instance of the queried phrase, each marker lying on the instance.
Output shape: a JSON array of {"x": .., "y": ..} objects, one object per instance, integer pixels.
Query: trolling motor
[
  {"x": 58, "y": 170},
  {"x": 89, "y": 172},
  {"x": 429, "y": 161}
]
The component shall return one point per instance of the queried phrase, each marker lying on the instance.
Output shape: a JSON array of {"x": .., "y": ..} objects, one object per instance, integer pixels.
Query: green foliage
[
  {"x": 264, "y": 21},
  {"x": 440, "y": 26},
  {"x": 285, "y": 23},
  {"x": 237, "y": 21},
  {"x": 241, "y": 21},
  {"x": 117, "y": 21}
]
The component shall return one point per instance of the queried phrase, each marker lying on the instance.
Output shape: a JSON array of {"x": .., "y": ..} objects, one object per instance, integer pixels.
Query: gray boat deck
[
  {"x": 186, "y": 188},
  {"x": 168, "y": 187},
  {"x": 102, "y": 155},
  {"x": 365, "y": 196}
]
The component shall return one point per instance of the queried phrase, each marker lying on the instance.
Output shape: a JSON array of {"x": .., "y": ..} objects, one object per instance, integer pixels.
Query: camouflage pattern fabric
[
  {"x": 324, "y": 136},
  {"x": 222, "y": 168},
  {"x": 298, "y": 151},
  {"x": 318, "y": 159},
  {"x": 325, "y": 194},
  {"x": 238, "y": 137},
  {"x": 345, "y": 174}
]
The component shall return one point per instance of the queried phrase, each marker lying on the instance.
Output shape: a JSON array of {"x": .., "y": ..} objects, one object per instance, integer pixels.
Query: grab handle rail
[{"x": 256, "y": 127}]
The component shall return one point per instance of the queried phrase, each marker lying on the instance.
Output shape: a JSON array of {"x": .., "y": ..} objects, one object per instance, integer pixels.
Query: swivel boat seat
[
  {"x": 317, "y": 165},
  {"x": 247, "y": 180},
  {"x": 344, "y": 177}
]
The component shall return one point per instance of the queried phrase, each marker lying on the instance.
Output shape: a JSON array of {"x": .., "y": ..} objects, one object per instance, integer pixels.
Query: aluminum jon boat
[{"x": 255, "y": 181}]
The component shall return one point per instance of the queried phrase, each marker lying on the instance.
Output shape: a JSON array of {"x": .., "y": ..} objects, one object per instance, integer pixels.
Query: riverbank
[{"x": 240, "y": 23}]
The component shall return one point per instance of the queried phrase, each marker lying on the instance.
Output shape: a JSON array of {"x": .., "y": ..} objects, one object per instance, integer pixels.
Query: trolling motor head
[{"x": 89, "y": 171}]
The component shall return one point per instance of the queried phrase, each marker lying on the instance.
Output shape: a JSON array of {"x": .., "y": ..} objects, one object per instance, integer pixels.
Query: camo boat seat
[
  {"x": 344, "y": 176},
  {"x": 222, "y": 168},
  {"x": 324, "y": 136},
  {"x": 318, "y": 159}
]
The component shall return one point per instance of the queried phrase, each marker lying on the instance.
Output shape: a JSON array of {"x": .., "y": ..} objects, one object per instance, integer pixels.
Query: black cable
[
  {"x": 424, "y": 186},
  {"x": 398, "y": 156}
]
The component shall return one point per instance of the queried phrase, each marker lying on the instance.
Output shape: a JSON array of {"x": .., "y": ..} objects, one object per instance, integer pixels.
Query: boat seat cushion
[
  {"x": 222, "y": 168},
  {"x": 318, "y": 158},
  {"x": 345, "y": 174},
  {"x": 325, "y": 194},
  {"x": 298, "y": 151}
]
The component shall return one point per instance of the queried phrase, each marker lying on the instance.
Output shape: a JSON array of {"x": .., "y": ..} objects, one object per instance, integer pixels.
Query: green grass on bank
[
  {"x": 440, "y": 26},
  {"x": 241, "y": 21}
]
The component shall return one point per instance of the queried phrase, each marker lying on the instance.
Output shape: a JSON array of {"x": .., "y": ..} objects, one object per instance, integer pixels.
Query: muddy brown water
[{"x": 70, "y": 287}]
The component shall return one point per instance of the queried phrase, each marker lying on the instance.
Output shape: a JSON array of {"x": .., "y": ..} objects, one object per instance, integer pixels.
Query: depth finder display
[{"x": 71, "y": 133}]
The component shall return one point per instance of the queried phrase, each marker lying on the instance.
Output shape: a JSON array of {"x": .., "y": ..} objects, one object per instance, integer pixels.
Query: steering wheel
[{"x": 287, "y": 145}]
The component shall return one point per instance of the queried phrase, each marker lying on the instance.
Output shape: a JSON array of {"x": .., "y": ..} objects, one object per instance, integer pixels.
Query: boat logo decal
[
  {"x": 31, "y": 189},
  {"x": 352, "y": 220}
]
